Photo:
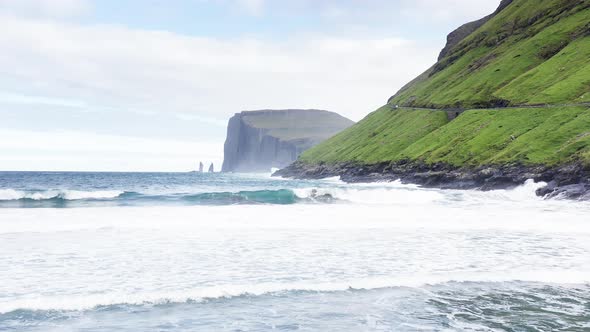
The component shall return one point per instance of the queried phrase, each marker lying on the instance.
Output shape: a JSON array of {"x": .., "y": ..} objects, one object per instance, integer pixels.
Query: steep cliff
[
  {"x": 260, "y": 140},
  {"x": 528, "y": 52},
  {"x": 518, "y": 85},
  {"x": 466, "y": 29}
]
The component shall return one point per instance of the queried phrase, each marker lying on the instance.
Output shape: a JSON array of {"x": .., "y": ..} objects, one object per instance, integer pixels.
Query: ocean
[{"x": 243, "y": 252}]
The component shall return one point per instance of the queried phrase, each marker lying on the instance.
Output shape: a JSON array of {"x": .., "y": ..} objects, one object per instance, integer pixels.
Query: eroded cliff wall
[{"x": 260, "y": 140}]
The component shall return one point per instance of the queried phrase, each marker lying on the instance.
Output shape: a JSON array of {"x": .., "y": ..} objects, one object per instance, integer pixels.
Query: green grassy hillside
[
  {"x": 531, "y": 52},
  {"x": 478, "y": 137},
  {"x": 381, "y": 136}
]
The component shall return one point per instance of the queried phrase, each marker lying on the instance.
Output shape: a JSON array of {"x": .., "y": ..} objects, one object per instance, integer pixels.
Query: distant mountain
[
  {"x": 508, "y": 98},
  {"x": 258, "y": 141}
]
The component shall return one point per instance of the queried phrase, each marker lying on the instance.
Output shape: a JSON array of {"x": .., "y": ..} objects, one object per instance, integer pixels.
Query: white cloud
[
  {"x": 459, "y": 11},
  {"x": 254, "y": 7},
  {"x": 427, "y": 11},
  {"x": 84, "y": 151},
  {"x": 12, "y": 98},
  {"x": 161, "y": 73},
  {"x": 46, "y": 8}
]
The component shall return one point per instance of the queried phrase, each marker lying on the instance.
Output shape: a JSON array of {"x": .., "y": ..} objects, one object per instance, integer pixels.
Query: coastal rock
[
  {"x": 258, "y": 141},
  {"x": 567, "y": 181}
]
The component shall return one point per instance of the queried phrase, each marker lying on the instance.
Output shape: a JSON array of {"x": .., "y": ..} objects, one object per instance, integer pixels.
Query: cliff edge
[{"x": 258, "y": 141}]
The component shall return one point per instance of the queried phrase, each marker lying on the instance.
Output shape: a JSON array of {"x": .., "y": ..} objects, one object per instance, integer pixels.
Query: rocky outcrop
[
  {"x": 258, "y": 141},
  {"x": 465, "y": 30},
  {"x": 566, "y": 181}
]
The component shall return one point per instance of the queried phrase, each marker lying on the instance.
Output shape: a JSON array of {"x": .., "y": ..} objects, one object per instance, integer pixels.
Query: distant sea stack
[{"x": 258, "y": 141}]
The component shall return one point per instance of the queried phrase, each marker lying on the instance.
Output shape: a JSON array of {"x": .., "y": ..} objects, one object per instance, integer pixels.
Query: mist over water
[{"x": 211, "y": 252}]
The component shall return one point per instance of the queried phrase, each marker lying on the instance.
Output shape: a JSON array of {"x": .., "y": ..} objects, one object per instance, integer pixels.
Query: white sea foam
[
  {"x": 372, "y": 195},
  {"x": 90, "y": 301},
  {"x": 75, "y": 194},
  {"x": 11, "y": 194},
  {"x": 382, "y": 236},
  {"x": 334, "y": 179},
  {"x": 397, "y": 193}
]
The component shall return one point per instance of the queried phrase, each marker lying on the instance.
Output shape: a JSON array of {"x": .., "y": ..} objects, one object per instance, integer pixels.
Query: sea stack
[
  {"x": 201, "y": 167},
  {"x": 211, "y": 169},
  {"x": 258, "y": 141}
]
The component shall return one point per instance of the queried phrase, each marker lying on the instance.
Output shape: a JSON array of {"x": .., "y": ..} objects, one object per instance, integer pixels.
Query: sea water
[{"x": 234, "y": 252}]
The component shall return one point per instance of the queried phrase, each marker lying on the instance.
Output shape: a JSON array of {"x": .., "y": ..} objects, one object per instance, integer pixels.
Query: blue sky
[{"x": 149, "y": 85}]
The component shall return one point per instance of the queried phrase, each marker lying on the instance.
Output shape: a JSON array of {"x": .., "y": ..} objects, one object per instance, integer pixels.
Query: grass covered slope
[
  {"x": 381, "y": 136},
  {"x": 478, "y": 137},
  {"x": 525, "y": 136},
  {"x": 531, "y": 52}
]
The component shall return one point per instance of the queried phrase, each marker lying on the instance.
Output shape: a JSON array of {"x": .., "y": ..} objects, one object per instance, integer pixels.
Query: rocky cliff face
[
  {"x": 466, "y": 29},
  {"x": 260, "y": 140}
]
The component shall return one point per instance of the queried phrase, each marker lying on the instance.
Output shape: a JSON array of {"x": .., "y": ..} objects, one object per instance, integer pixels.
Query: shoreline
[{"x": 571, "y": 181}]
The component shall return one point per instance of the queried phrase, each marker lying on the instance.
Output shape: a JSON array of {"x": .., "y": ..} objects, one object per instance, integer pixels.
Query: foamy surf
[
  {"x": 11, "y": 194},
  {"x": 228, "y": 291},
  {"x": 175, "y": 251},
  {"x": 332, "y": 191}
]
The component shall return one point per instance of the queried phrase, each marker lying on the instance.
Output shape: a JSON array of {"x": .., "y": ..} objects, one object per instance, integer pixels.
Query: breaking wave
[
  {"x": 373, "y": 193},
  {"x": 68, "y": 195},
  {"x": 89, "y": 302},
  {"x": 282, "y": 196},
  {"x": 11, "y": 197}
]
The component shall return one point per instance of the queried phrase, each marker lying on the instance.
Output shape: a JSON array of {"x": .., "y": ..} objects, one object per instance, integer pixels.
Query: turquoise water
[
  {"x": 68, "y": 189},
  {"x": 215, "y": 252}
]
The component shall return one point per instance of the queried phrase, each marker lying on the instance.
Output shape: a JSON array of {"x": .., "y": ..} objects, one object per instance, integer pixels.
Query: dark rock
[
  {"x": 467, "y": 29},
  {"x": 547, "y": 190},
  {"x": 571, "y": 191},
  {"x": 566, "y": 181},
  {"x": 324, "y": 198}
]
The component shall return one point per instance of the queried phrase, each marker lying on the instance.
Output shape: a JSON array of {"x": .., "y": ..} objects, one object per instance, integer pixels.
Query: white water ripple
[
  {"x": 423, "y": 252},
  {"x": 11, "y": 194}
]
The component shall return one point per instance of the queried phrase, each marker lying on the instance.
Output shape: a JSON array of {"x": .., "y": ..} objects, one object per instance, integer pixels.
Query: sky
[{"x": 149, "y": 85}]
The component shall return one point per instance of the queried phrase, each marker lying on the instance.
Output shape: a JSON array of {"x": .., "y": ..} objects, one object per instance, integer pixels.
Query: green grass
[
  {"x": 532, "y": 52},
  {"x": 528, "y": 136},
  {"x": 477, "y": 137},
  {"x": 563, "y": 78},
  {"x": 379, "y": 137}
]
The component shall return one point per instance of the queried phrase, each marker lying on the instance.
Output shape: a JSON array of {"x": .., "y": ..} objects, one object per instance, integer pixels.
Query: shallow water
[{"x": 376, "y": 257}]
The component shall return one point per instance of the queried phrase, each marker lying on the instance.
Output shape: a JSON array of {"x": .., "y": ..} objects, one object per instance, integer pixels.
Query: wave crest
[
  {"x": 282, "y": 196},
  {"x": 92, "y": 301},
  {"x": 68, "y": 195},
  {"x": 371, "y": 193}
]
